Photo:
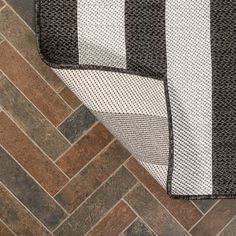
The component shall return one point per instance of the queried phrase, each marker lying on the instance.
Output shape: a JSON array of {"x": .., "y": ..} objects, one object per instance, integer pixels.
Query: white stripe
[
  {"x": 101, "y": 33},
  {"x": 189, "y": 73},
  {"x": 114, "y": 92}
]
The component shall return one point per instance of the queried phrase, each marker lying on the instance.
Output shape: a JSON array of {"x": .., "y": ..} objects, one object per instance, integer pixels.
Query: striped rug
[{"x": 161, "y": 75}]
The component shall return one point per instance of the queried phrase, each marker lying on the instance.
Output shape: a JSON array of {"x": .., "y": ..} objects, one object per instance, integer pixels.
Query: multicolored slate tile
[{"x": 62, "y": 172}]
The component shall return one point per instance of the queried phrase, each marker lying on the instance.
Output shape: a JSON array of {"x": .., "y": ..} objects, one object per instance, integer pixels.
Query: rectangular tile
[
  {"x": 18, "y": 219},
  {"x": 83, "y": 151},
  {"x": 204, "y": 205},
  {"x": 32, "y": 85},
  {"x": 153, "y": 213},
  {"x": 31, "y": 120},
  {"x": 70, "y": 98},
  {"x": 138, "y": 228},
  {"x": 4, "y": 231},
  {"x": 30, "y": 157},
  {"x": 114, "y": 222},
  {"x": 229, "y": 229},
  {"x": 98, "y": 204},
  {"x": 26, "y": 9},
  {"x": 216, "y": 218},
  {"x": 29, "y": 192},
  {"x": 75, "y": 125},
  {"x": 92, "y": 176},
  {"x": 23, "y": 39},
  {"x": 184, "y": 211}
]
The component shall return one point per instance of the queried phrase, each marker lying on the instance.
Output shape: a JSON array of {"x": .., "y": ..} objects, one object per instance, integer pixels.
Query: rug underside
[{"x": 161, "y": 76}]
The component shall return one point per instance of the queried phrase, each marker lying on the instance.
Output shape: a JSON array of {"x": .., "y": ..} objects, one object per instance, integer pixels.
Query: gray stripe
[
  {"x": 145, "y": 36},
  {"x": 57, "y": 36},
  {"x": 223, "y": 24}
]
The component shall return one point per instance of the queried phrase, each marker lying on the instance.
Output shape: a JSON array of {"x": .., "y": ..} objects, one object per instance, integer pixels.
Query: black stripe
[
  {"x": 223, "y": 31},
  {"x": 145, "y": 36},
  {"x": 57, "y": 26}
]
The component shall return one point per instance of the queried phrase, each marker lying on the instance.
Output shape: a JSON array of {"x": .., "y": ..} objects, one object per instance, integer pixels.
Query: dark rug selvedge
[
  {"x": 145, "y": 36},
  {"x": 223, "y": 31},
  {"x": 57, "y": 22}
]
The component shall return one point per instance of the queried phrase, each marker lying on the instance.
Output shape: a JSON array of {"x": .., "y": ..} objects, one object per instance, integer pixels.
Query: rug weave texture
[{"x": 161, "y": 75}]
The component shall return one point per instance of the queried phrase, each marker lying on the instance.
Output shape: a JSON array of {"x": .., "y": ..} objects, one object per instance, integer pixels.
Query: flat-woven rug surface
[{"x": 161, "y": 75}]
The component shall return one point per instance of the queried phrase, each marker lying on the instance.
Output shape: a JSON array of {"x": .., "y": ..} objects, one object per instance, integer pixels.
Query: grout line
[
  {"x": 123, "y": 231},
  {"x": 197, "y": 208},
  {"x": 85, "y": 166},
  {"x": 61, "y": 223},
  {"x": 111, "y": 208},
  {"x": 33, "y": 142},
  {"x": 27, "y": 26},
  {"x": 26, "y": 171},
  {"x": 204, "y": 215},
  {"x": 31, "y": 103},
  {"x": 83, "y": 134},
  {"x": 25, "y": 208},
  {"x": 58, "y": 92},
  {"x": 84, "y": 202},
  {"x": 57, "y": 126},
  {"x": 90, "y": 195},
  {"x": 218, "y": 234},
  {"x": 35, "y": 70},
  {"x": 103, "y": 217},
  {"x": 149, "y": 227},
  {"x": 14, "y": 11},
  {"x": 8, "y": 227},
  {"x": 144, "y": 186},
  {"x": 76, "y": 142},
  {"x": 73, "y": 109},
  {"x": 3, "y": 6},
  {"x": 4, "y": 40}
]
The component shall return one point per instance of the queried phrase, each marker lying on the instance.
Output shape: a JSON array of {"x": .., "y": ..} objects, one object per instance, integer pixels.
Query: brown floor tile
[
  {"x": 2, "y": 4},
  {"x": 114, "y": 222},
  {"x": 31, "y": 120},
  {"x": 92, "y": 176},
  {"x": 153, "y": 213},
  {"x": 4, "y": 231},
  {"x": 29, "y": 192},
  {"x": 23, "y": 39},
  {"x": 230, "y": 230},
  {"x": 26, "y": 9},
  {"x": 70, "y": 98},
  {"x": 204, "y": 205},
  {"x": 86, "y": 148},
  {"x": 184, "y": 211},
  {"x": 98, "y": 204},
  {"x": 30, "y": 83},
  {"x": 30, "y": 157},
  {"x": 76, "y": 124},
  {"x": 17, "y": 217},
  {"x": 138, "y": 228},
  {"x": 216, "y": 218}
]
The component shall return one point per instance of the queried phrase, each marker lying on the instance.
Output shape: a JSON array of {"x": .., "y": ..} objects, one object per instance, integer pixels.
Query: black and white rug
[{"x": 161, "y": 75}]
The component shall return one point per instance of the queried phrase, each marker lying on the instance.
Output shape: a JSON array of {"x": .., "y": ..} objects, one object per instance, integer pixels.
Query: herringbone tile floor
[{"x": 62, "y": 173}]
